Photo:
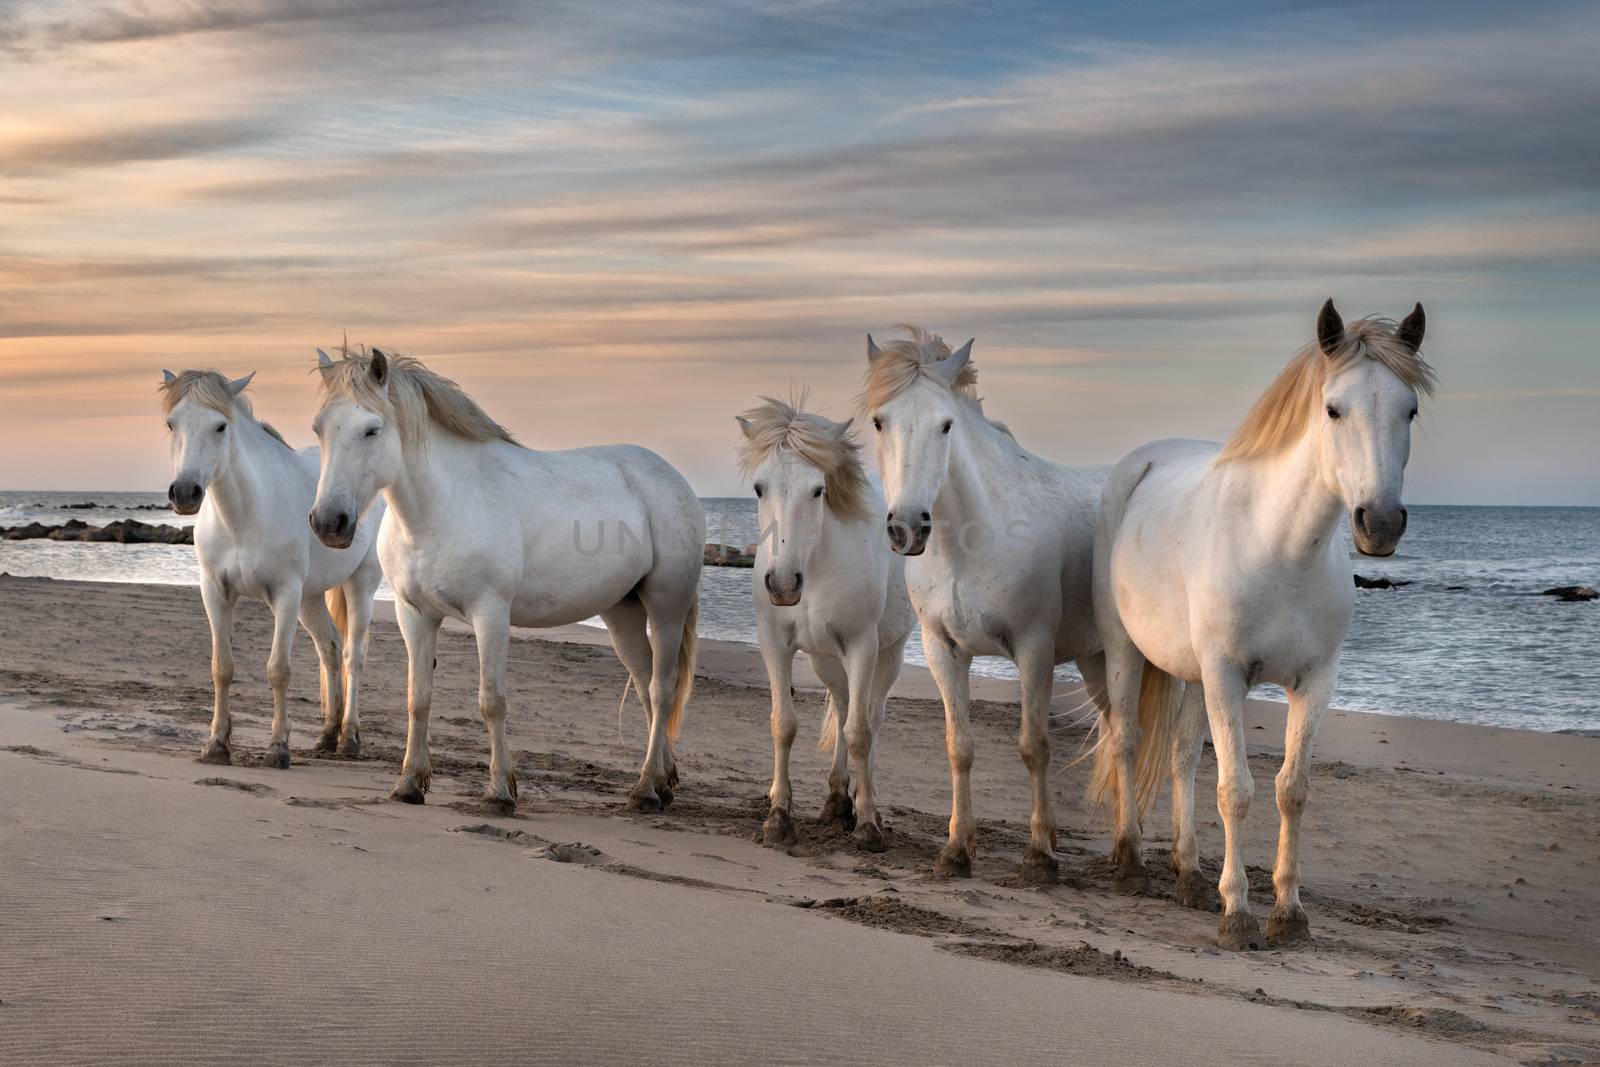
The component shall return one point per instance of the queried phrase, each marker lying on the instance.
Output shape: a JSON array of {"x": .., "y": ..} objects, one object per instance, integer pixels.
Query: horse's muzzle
[
  {"x": 784, "y": 594},
  {"x": 910, "y": 537},
  {"x": 334, "y": 527},
  {"x": 185, "y": 497},
  {"x": 1377, "y": 530}
]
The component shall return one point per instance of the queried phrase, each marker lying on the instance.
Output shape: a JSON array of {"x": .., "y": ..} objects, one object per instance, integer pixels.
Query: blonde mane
[
  {"x": 414, "y": 394},
  {"x": 1280, "y": 417},
  {"x": 209, "y": 388},
  {"x": 785, "y": 427},
  {"x": 904, "y": 360}
]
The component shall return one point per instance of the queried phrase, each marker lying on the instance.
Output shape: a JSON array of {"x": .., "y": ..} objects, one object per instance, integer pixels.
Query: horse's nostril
[
  {"x": 926, "y": 517},
  {"x": 172, "y": 491},
  {"x": 1360, "y": 518},
  {"x": 799, "y": 580},
  {"x": 344, "y": 522},
  {"x": 767, "y": 581}
]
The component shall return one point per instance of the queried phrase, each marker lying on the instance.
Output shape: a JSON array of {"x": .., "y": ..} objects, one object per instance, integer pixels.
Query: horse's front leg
[
  {"x": 421, "y": 634},
  {"x": 358, "y": 624},
  {"x": 492, "y": 626},
  {"x": 779, "y": 660},
  {"x": 950, "y": 666},
  {"x": 219, "y": 613},
  {"x": 1036, "y": 664},
  {"x": 1225, "y": 688},
  {"x": 1307, "y": 704},
  {"x": 838, "y": 807},
  {"x": 285, "y": 616},
  {"x": 319, "y": 624},
  {"x": 860, "y": 664}
]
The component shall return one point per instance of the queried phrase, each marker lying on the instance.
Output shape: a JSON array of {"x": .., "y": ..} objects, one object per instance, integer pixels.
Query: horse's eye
[
  {"x": 817, "y": 491},
  {"x": 169, "y": 425},
  {"x": 222, "y": 428},
  {"x": 877, "y": 423},
  {"x": 1333, "y": 412},
  {"x": 1413, "y": 415},
  {"x": 947, "y": 424},
  {"x": 372, "y": 431},
  {"x": 758, "y": 490}
]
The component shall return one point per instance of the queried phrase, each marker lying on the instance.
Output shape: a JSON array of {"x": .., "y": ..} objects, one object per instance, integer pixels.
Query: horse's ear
[
  {"x": 1412, "y": 328},
  {"x": 745, "y": 425},
  {"x": 167, "y": 377},
  {"x": 380, "y": 367},
  {"x": 873, "y": 351},
  {"x": 324, "y": 361},
  {"x": 949, "y": 368},
  {"x": 840, "y": 429},
  {"x": 238, "y": 385},
  {"x": 1330, "y": 329}
]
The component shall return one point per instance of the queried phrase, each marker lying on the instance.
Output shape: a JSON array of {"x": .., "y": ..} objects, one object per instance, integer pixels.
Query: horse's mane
[
  {"x": 414, "y": 394},
  {"x": 1280, "y": 417},
  {"x": 209, "y": 388},
  {"x": 782, "y": 426},
  {"x": 902, "y": 361}
]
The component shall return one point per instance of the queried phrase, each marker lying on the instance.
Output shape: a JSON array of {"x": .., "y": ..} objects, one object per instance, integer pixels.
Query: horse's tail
[
  {"x": 686, "y": 656},
  {"x": 340, "y": 610},
  {"x": 830, "y": 726},
  {"x": 1159, "y": 697}
]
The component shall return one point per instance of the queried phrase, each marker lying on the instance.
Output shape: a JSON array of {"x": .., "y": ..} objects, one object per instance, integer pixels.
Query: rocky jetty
[
  {"x": 730, "y": 556},
  {"x": 1363, "y": 582},
  {"x": 122, "y": 532},
  {"x": 1572, "y": 594}
]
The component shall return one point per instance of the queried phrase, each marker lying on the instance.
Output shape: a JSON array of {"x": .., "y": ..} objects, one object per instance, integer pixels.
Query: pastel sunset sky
[{"x": 622, "y": 221}]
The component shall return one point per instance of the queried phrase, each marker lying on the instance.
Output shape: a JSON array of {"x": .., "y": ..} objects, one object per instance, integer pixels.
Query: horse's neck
[
  {"x": 983, "y": 462},
  {"x": 436, "y": 479},
  {"x": 241, "y": 492},
  {"x": 1293, "y": 511}
]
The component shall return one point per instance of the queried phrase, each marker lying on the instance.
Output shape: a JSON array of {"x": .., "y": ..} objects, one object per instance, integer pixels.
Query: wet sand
[{"x": 160, "y": 911}]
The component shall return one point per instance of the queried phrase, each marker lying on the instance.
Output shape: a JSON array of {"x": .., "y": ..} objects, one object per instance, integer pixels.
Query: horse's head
[
  {"x": 362, "y": 452},
  {"x": 914, "y": 408},
  {"x": 1365, "y": 420},
  {"x": 200, "y": 419},
  {"x": 801, "y": 466}
]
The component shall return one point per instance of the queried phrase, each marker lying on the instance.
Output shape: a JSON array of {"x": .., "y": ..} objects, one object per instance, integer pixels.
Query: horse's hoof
[
  {"x": 327, "y": 741},
  {"x": 644, "y": 798},
  {"x": 1239, "y": 932},
  {"x": 409, "y": 791},
  {"x": 499, "y": 805},
  {"x": 277, "y": 757},
  {"x": 216, "y": 752},
  {"x": 1193, "y": 891},
  {"x": 954, "y": 862},
  {"x": 664, "y": 792},
  {"x": 1040, "y": 867},
  {"x": 350, "y": 744},
  {"x": 1288, "y": 927},
  {"x": 840, "y": 809},
  {"x": 778, "y": 830},
  {"x": 672, "y": 775},
  {"x": 868, "y": 837}
]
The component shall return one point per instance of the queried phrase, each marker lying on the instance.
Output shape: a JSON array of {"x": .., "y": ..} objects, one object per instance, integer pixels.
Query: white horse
[
  {"x": 250, "y": 490},
  {"x": 1222, "y": 566},
  {"x": 482, "y": 529},
  {"x": 823, "y": 583},
  {"x": 1005, "y": 540}
]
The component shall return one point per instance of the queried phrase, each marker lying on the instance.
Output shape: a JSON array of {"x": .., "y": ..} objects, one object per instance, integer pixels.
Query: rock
[
  {"x": 122, "y": 532},
  {"x": 727, "y": 556},
  {"x": 1572, "y": 594},
  {"x": 1363, "y": 582}
]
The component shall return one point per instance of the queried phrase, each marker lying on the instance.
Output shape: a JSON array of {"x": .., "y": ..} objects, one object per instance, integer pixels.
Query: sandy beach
[{"x": 160, "y": 911}]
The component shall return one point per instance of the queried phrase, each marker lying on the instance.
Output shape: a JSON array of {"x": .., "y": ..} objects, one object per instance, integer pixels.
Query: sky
[{"x": 624, "y": 221}]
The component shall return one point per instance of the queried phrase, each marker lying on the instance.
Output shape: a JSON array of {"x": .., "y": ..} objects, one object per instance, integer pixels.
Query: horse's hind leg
[
  {"x": 219, "y": 613},
  {"x": 1191, "y": 890},
  {"x": 319, "y": 625},
  {"x": 285, "y": 613},
  {"x": 1288, "y": 923},
  {"x": 492, "y": 625},
  {"x": 1037, "y": 668},
  {"x": 626, "y": 623},
  {"x": 1114, "y": 768},
  {"x": 838, "y": 807},
  {"x": 421, "y": 633}
]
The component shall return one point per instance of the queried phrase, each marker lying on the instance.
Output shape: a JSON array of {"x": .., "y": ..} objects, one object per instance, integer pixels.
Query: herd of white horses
[{"x": 1189, "y": 573}]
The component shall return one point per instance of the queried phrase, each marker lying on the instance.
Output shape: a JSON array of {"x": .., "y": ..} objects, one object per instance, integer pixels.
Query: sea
[{"x": 1468, "y": 640}]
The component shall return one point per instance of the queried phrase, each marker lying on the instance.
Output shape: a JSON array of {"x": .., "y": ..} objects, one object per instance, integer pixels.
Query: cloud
[{"x": 110, "y": 145}]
